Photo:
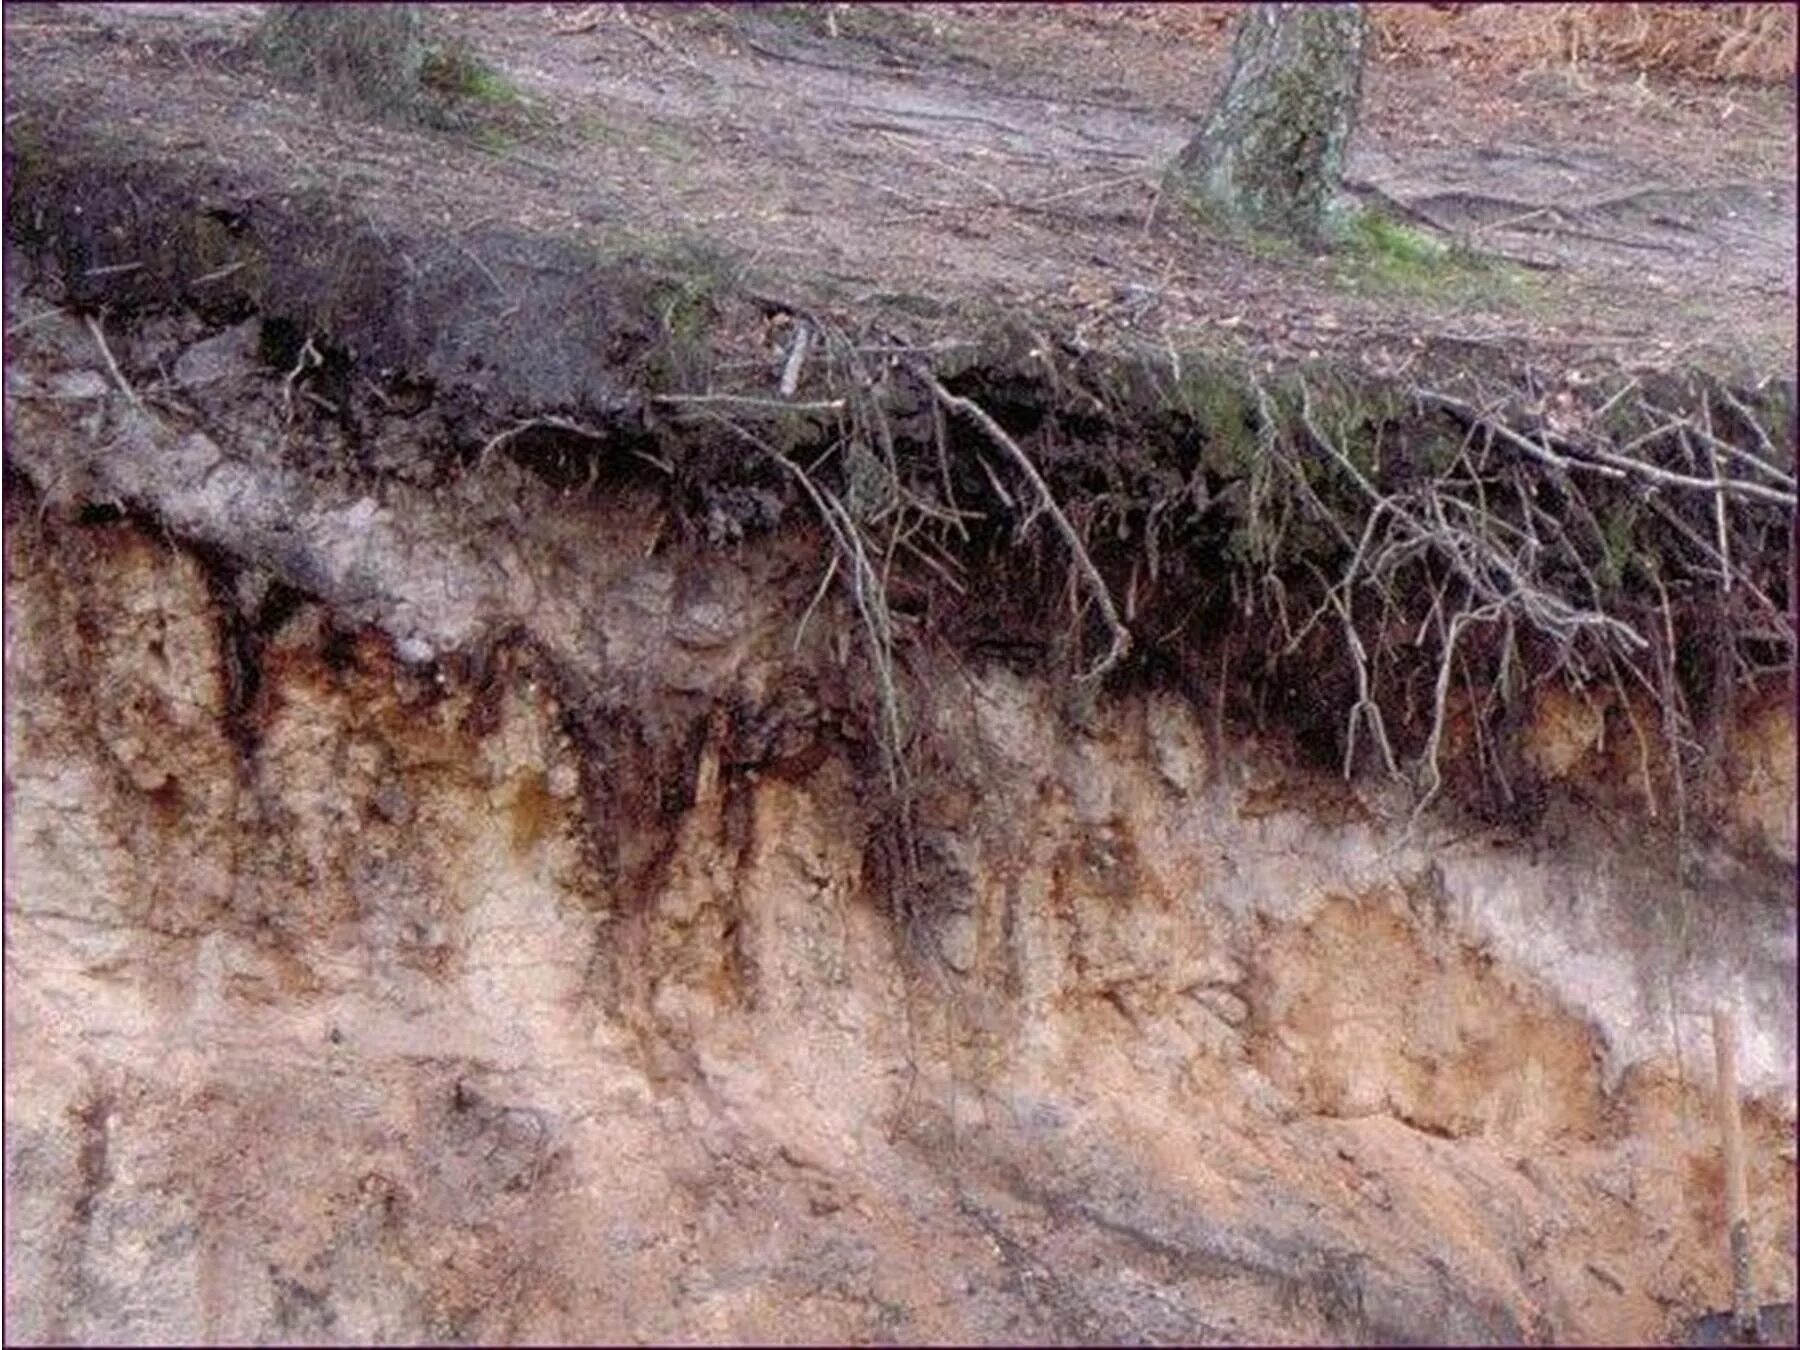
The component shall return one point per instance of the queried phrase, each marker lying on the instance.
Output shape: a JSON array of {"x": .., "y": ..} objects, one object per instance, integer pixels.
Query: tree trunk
[
  {"x": 1271, "y": 155},
  {"x": 367, "y": 55}
]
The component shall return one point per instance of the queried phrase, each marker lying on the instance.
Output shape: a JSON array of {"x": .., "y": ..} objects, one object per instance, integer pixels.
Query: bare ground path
[{"x": 912, "y": 164}]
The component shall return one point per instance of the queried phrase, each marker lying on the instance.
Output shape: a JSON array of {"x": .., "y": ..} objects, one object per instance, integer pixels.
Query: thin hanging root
[
  {"x": 1440, "y": 697},
  {"x": 1720, "y": 519},
  {"x": 1121, "y": 636},
  {"x": 1748, "y": 418},
  {"x": 1366, "y": 708},
  {"x": 112, "y": 367},
  {"x": 867, "y": 590},
  {"x": 818, "y": 597}
]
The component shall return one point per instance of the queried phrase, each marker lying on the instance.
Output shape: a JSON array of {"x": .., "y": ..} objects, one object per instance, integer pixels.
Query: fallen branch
[
  {"x": 746, "y": 401},
  {"x": 796, "y": 362},
  {"x": 218, "y": 274},
  {"x": 309, "y": 358},
  {"x": 1039, "y": 202}
]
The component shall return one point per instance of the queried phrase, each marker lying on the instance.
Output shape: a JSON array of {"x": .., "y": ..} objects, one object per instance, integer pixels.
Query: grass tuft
[
  {"x": 454, "y": 71},
  {"x": 1378, "y": 254}
]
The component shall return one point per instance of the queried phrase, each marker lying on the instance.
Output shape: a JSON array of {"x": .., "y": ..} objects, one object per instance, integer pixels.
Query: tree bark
[{"x": 1271, "y": 155}]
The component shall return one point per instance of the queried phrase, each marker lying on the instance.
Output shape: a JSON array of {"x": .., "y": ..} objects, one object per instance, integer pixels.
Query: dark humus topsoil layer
[{"x": 1366, "y": 511}]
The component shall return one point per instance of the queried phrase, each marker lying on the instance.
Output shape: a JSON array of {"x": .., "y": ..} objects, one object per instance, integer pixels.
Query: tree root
[{"x": 1084, "y": 564}]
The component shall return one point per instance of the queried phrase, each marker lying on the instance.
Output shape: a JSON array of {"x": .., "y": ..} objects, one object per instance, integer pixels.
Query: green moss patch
[{"x": 1377, "y": 253}]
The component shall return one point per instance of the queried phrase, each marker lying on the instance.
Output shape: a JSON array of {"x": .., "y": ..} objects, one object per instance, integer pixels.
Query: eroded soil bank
[
  {"x": 544, "y": 981},
  {"x": 556, "y": 792}
]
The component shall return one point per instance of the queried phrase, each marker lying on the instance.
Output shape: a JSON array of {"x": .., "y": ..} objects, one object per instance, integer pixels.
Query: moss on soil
[{"x": 1380, "y": 254}]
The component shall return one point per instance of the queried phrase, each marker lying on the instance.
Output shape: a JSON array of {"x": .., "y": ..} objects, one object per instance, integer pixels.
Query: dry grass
[
  {"x": 1748, "y": 42},
  {"x": 1743, "y": 42}
]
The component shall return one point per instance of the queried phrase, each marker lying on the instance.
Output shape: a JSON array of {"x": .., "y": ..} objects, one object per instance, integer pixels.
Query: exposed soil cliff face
[
  {"x": 549, "y": 790},
  {"x": 348, "y": 1000}
]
